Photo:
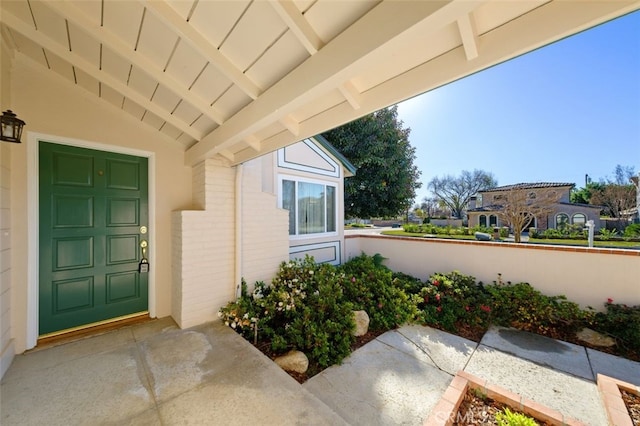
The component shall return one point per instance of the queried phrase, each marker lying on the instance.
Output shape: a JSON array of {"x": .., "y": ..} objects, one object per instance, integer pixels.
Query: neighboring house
[
  {"x": 143, "y": 118},
  {"x": 308, "y": 178},
  {"x": 484, "y": 208}
]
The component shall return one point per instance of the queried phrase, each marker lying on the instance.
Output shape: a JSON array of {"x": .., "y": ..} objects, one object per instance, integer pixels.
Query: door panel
[{"x": 92, "y": 205}]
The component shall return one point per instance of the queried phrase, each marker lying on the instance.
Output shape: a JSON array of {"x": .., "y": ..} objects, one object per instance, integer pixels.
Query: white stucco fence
[{"x": 586, "y": 276}]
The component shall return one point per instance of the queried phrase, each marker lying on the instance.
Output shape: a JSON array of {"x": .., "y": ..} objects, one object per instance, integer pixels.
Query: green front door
[{"x": 93, "y": 217}]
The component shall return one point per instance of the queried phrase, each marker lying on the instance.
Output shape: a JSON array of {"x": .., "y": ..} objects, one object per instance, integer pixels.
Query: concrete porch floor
[{"x": 157, "y": 374}]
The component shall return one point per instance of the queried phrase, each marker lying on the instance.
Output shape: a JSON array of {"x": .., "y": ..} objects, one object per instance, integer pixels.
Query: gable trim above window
[{"x": 332, "y": 169}]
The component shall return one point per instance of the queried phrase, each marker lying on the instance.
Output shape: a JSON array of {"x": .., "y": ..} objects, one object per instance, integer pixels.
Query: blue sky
[{"x": 568, "y": 109}]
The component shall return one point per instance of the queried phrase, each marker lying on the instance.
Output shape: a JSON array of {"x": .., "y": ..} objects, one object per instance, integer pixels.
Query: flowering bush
[
  {"x": 449, "y": 300},
  {"x": 523, "y": 307},
  {"x": 622, "y": 322},
  {"x": 304, "y": 308},
  {"x": 243, "y": 314}
]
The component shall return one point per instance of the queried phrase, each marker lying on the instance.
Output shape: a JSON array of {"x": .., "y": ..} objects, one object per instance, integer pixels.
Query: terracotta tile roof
[{"x": 536, "y": 185}]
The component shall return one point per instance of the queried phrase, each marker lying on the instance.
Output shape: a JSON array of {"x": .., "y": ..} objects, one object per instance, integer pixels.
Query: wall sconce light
[{"x": 11, "y": 127}]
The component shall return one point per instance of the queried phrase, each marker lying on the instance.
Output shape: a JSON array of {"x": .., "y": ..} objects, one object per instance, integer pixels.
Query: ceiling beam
[
  {"x": 338, "y": 61},
  {"x": 192, "y": 36},
  {"x": 553, "y": 22},
  {"x": 102, "y": 35},
  {"x": 469, "y": 36},
  {"x": 351, "y": 94},
  {"x": 291, "y": 124},
  {"x": 253, "y": 142},
  {"x": 297, "y": 23},
  {"x": 79, "y": 62}
]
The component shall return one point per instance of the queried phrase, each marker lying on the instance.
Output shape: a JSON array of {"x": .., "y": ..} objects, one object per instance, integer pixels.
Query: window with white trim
[
  {"x": 312, "y": 206},
  {"x": 579, "y": 219}
]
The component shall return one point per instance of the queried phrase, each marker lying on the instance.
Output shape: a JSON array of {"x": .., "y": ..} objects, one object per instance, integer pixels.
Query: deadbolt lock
[{"x": 143, "y": 230}]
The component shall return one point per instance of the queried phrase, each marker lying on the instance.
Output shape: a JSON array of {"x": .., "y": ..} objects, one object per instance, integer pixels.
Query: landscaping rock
[
  {"x": 295, "y": 361},
  {"x": 362, "y": 323},
  {"x": 594, "y": 338}
]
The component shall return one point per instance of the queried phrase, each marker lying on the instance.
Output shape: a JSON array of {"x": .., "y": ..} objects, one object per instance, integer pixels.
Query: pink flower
[
  {"x": 485, "y": 308},
  {"x": 436, "y": 283},
  {"x": 353, "y": 279},
  {"x": 466, "y": 308},
  {"x": 609, "y": 300},
  {"x": 426, "y": 299},
  {"x": 439, "y": 309},
  {"x": 380, "y": 305},
  {"x": 438, "y": 297}
]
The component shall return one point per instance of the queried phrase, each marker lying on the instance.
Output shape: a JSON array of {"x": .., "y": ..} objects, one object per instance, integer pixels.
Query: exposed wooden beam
[
  {"x": 342, "y": 58},
  {"x": 553, "y": 22},
  {"x": 253, "y": 142},
  {"x": 297, "y": 23},
  {"x": 469, "y": 36},
  {"x": 227, "y": 154},
  {"x": 291, "y": 124},
  {"x": 102, "y": 35},
  {"x": 92, "y": 69},
  {"x": 351, "y": 94},
  {"x": 192, "y": 36}
]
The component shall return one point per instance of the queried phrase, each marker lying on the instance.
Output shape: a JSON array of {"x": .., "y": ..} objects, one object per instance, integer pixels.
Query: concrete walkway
[{"x": 156, "y": 374}]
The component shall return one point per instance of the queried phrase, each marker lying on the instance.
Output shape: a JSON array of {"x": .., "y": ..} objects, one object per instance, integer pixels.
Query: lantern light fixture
[{"x": 11, "y": 127}]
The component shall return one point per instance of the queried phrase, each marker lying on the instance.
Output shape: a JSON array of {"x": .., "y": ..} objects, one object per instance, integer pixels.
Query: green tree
[
  {"x": 455, "y": 192},
  {"x": 583, "y": 195},
  {"x": 386, "y": 181}
]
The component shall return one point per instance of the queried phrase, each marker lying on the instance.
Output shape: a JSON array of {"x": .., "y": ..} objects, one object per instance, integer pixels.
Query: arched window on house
[
  {"x": 579, "y": 219},
  {"x": 482, "y": 220},
  {"x": 562, "y": 220},
  {"x": 493, "y": 220}
]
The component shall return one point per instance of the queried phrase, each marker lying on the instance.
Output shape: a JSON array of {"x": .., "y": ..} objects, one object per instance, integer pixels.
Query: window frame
[
  {"x": 297, "y": 180},
  {"x": 555, "y": 219},
  {"x": 573, "y": 216}
]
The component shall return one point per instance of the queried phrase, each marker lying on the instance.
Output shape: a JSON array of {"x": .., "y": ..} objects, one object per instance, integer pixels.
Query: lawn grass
[
  {"x": 581, "y": 243},
  {"x": 584, "y": 243},
  {"x": 401, "y": 233}
]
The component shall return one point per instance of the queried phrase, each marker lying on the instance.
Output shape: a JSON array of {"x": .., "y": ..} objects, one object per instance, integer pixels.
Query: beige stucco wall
[
  {"x": 586, "y": 276},
  {"x": 7, "y": 347},
  {"x": 53, "y": 106}
]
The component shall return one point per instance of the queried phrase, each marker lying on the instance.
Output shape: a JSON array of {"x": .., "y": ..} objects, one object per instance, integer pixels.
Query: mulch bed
[
  {"x": 632, "y": 401},
  {"x": 475, "y": 410}
]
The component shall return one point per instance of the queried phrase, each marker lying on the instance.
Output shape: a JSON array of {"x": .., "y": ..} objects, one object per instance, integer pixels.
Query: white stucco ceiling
[{"x": 243, "y": 77}]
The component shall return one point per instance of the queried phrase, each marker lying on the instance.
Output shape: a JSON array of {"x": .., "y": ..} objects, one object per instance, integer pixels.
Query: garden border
[
  {"x": 615, "y": 407},
  {"x": 445, "y": 410}
]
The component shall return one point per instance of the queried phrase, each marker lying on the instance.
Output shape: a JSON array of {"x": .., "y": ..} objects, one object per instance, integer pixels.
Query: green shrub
[
  {"x": 370, "y": 287},
  {"x": 607, "y": 234},
  {"x": 523, "y": 307},
  {"x": 407, "y": 283},
  {"x": 632, "y": 230},
  {"x": 504, "y": 232},
  {"x": 507, "y": 417},
  {"x": 622, "y": 322},
  {"x": 450, "y": 299}
]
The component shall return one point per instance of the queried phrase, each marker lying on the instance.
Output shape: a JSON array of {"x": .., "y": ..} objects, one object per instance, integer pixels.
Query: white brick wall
[
  {"x": 265, "y": 230},
  {"x": 204, "y": 257}
]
